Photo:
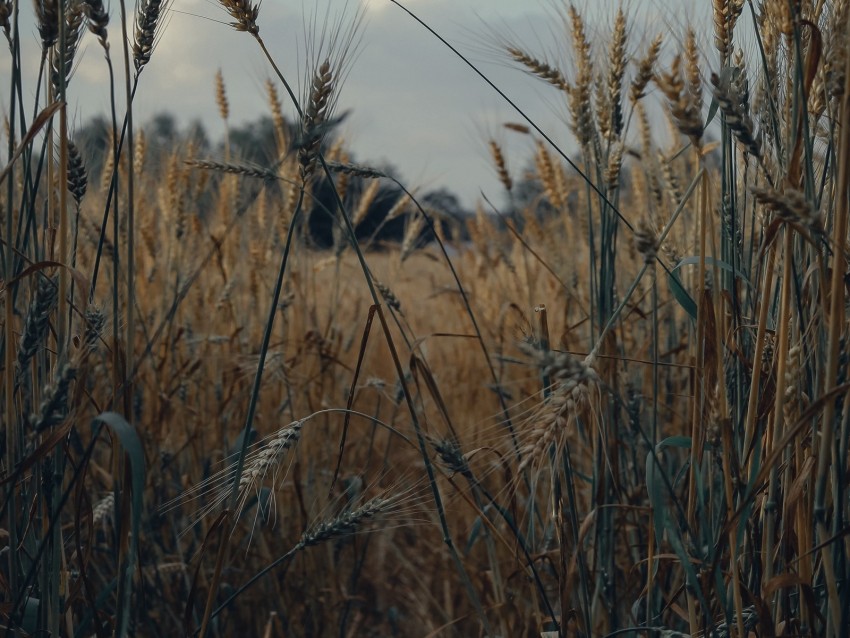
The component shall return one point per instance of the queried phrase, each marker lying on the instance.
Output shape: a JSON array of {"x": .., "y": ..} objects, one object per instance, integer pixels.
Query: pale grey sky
[{"x": 413, "y": 104}]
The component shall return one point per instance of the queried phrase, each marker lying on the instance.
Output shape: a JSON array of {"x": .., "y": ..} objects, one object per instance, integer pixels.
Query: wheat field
[{"x": 295, "y": 398}]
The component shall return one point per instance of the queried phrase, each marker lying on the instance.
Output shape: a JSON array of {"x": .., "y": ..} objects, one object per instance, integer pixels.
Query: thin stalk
[
  {"x": 771, "y": 504},
  {"x": 615, "y": 315},
  {"x": 376, "y": 299},
  {"x": 9, "y": 333},
  {"x": 833, "y": 349},
  {"x": 131, "y": 222}
]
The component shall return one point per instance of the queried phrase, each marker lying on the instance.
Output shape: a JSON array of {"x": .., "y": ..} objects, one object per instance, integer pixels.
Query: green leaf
[
  {"x": 129, "y": 440},
  {"x": 711, "y": 261},
  {"x": 681, "y": 295},
  {"x": 674, "y": 441},
  {"x": 712, "y": 111}
]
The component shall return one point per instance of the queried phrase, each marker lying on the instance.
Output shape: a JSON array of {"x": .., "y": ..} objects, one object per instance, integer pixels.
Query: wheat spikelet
[
  {"x": 616, "y": 71},
  {"x": 244, "y": 15},
  {"x": 646, "y": 241},
  {"x": 77, "y": 177},
  {"x": 104, "y": 509},
  {"x": 391, "y": 300},
  {"x": 645, "y": 71},
  {"x": 692, "y": 71},
  {"x": 836, "y": 51},
  {"x": 546, "y": 173},
  {"x": 409, "y": 243},
  {"x": 317, "y": 112},
  {"x": 346, "y": 523},
  {"x": 37, "y": 320},
  {"x": 726, "y": 13},
  {"x": 63, "y": 60},
  {"x": 399, "y": 208},
  {"x": 791, "y": 204},
  {"x": 733, "y": 102},
  {"x": 5, "y": 13},
  {"x": 233, "y": 168},
  {"x": 139, "y": 149},
  {"x": 97, "y": 20},
  {"x": 367, "y": 198},
  {"x": 148, "y": 14},
  {"x": 277, "y": 116},
  {"x": 522, "y": 129},
  {"x": 539, "y": 68},
  {"x": 108, "y": 166},
  {"x": 95, "y": 321},
  {"x": 267, "y": 459},
  {"x": 681, "y": 97},
  {"x": 580, "y": 94},
  {"x": 47, "y": 17},
  {"x": 615, "y": 164},
  {"x": 501, "y": 165},
  {"x": 53, "y": 408},
  {"x": 221, "y": 96},
  {"x": 356, "y": 170},
  {"x": 572, "y": 383}
]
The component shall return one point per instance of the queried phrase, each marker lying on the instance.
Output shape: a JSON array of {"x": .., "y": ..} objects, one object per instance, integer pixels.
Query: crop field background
[{"x": 287, "y": 394}]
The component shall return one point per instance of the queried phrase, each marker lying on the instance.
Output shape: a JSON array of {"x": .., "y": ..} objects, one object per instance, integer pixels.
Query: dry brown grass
[{"x": 622, "y": 408}]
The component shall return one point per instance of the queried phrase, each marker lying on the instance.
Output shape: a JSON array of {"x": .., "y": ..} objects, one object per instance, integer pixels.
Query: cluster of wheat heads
[{"x": 619, "y": 407}]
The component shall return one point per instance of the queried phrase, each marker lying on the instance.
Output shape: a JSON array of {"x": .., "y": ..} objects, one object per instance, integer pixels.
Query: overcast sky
[{"x": 413, "y": 103}]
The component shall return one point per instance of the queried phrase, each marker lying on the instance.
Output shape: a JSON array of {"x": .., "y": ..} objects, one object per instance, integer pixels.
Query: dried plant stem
[
  {"x": 761, "y": 340},
  {"x": 9, "y": 337},
  {"x": 699, "y": 389},
  {"x": 836, "y": 323},
  {"x": 771, "y": 504}
]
